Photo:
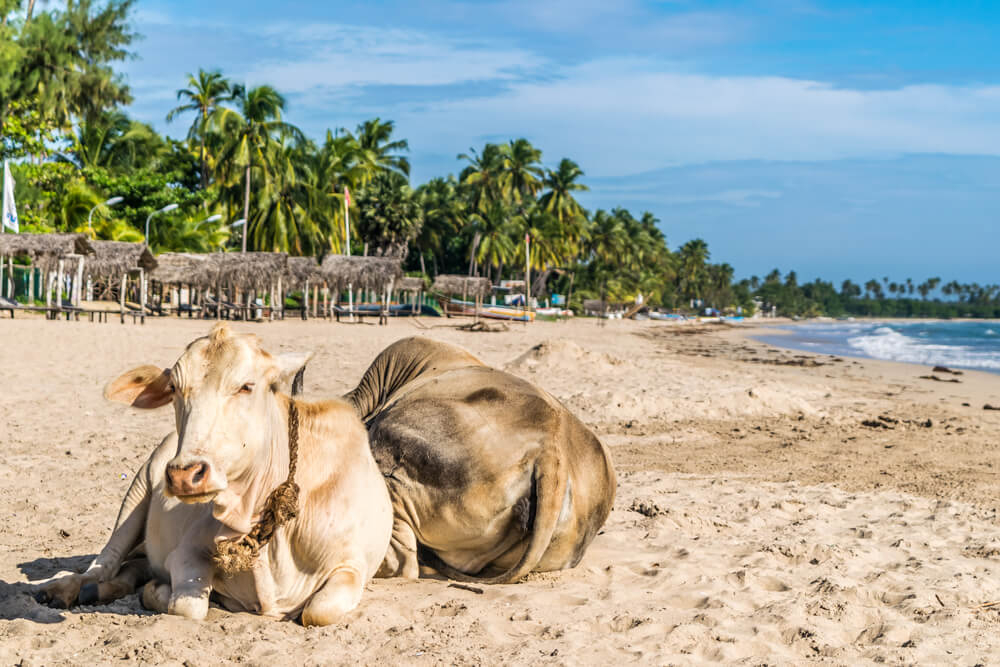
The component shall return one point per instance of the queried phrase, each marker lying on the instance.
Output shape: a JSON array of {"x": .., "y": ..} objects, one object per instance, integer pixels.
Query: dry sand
[{"x": 758, "y": 521}]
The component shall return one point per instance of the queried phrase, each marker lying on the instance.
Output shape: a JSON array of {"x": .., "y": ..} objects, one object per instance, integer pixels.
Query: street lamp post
[
  {"x": 211, "y": 218},
  {"x": 242, "y": 222},
  {"x": 165, "y": 209},
  {"x": 111, "y": 202}
]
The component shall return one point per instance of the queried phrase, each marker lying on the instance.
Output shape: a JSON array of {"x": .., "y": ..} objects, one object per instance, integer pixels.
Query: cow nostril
[{"x": 199, "y": 473}]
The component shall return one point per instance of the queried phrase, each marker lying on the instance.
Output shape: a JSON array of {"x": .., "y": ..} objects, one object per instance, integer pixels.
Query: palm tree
[
  {"x": 250, "y": 131},
  {"x": 203, "y": 95},
  {"x": 113, "y": 141},
  {"x": 484, "y": 175},
  {"x": 443, "y": 212},
  {"x": 561, "y": 184},
  {"x": 374, "y": 139},
  {"x": 693, "y": 256},
  {"x": 284, "y": 220},
  {"x": 521, "y": 170},
  {"x": 493, "y": 245}
]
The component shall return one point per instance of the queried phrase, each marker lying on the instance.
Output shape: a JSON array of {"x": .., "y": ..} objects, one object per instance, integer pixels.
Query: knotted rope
[{"x": 239, "y": 554}]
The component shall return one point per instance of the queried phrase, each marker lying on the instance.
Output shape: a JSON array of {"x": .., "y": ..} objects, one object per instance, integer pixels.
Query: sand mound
[{"x": 563, "y": 355}]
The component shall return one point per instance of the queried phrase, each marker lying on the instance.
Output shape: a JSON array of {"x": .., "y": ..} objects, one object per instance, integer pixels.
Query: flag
[
  {"x": 9, "y": 210},
  {"x": 347, "y": 196}
]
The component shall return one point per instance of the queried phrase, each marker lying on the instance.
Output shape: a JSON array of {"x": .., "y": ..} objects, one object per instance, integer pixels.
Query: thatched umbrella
[
  {"x": 113, "y": 258},
  {"x": 371, "y": 273},
  {"x": 415, "y": 286},
  {"x": 467, "y": 286},
  {"x": 47, "y": 252},
  {"x": 377, "y": 274},
  {"x": 464, "y": 285},
  {"x": 301, "y": 272},
  {"x": 177, "y": 268}
]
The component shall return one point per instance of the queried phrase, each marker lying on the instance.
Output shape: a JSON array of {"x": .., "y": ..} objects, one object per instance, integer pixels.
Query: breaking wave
[{"x": 891, "y": 345}]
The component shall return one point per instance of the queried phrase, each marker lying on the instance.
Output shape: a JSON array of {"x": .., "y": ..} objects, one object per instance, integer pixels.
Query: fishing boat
[{"x": 458, "y": 307}]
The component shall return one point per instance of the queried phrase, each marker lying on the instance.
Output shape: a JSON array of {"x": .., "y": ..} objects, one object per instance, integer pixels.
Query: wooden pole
[
  {"x": 78, "y": 283},
  {"x": 10, "y": 278},
  {"x": 3, "y": 285},
  {"x": 218, "y": 300},
  {"x": 142, "y": 295},
  {"x": 315, "y": 300},
  {"x": 527, "y": 276},
  {"x": 281, "y": 299},
  {"x": 121, "y": 296},
  {"x": 305, "y": 301},
  {"x": 59, "y": 279},
  {"x": 326, "y": 302},
  {"x": 350, "y": 301},
  {"x": 31, "y": 283}
]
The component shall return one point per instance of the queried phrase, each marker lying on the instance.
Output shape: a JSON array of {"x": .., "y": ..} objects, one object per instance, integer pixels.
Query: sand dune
[{"x": 758, "y": 521}]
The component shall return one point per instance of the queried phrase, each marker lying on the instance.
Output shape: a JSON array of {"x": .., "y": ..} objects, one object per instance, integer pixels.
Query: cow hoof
[{"x": 89, "y": 594}]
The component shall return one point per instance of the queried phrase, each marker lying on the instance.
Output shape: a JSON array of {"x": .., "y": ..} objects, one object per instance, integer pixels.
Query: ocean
[{"x": 971, "y": 344}]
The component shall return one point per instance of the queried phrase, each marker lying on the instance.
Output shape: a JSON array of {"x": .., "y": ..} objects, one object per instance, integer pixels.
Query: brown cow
[{"x": 490, "y": 477}]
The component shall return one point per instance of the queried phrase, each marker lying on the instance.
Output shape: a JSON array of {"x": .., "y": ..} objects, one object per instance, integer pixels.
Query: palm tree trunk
[
  {"x": 246, "y": 210},
  {"x": 204, "y": 174},
  {"x": 423, "y": 269},
  {"x": 31, "y": 8}
]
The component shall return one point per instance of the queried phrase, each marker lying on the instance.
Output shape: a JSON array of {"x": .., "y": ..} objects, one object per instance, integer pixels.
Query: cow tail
[{"x": 549, "y": 480}]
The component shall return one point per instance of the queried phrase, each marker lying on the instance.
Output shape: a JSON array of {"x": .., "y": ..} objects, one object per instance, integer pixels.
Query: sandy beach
[{"x": 774, "y": 507}]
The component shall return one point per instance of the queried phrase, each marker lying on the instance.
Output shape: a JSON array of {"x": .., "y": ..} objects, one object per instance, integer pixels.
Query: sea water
[{"x": 973, "y": 344}]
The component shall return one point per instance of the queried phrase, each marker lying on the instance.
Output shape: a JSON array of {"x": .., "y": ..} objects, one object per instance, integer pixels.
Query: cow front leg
[
  {"x": 156, "y": 596},
  {"x": 401, "y": 557},
  {"x": 132, "y": 574},
  {"x": 190, "y": 585},
  {"x": 340, "y": 594}
]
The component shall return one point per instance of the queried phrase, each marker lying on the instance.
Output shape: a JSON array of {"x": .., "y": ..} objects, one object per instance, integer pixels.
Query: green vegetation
[{"x": 73, "y": 148}]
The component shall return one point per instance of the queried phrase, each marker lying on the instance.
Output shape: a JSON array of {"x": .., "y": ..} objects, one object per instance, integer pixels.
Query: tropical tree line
[
  {"x": 874, "y": 298},
  {"x": 244, "y": 177}
]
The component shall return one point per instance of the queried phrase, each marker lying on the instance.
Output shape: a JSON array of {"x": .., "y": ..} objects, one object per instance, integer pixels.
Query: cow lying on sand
[
  {"x": 490, "y": 477},
  {"x": 273, "y": 503}
]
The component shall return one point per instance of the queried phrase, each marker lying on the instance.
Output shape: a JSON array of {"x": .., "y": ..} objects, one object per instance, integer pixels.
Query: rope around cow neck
[{"x": 239, "y": 554}]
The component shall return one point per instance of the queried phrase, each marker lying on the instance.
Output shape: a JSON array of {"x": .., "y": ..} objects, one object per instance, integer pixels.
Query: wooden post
[
  {"x": 281, "y": 300},
  {"x": 305, "y": 301},
  {"x": 350, "y": 301},
  {"x": 315, "y": 299},
  {"x": 218, "y": 300},
  {"x": 326, "y": 302},
  {"x": 59, "y": 279},
  {"x": 3, "y": 285},
  {"x": 31, "y": 284},
  {"x": 142, "y": 295},
  {"x": 10, "y": 273},
  {"x": 121, "y": 296},
  {"x": 78, "y": 283}
]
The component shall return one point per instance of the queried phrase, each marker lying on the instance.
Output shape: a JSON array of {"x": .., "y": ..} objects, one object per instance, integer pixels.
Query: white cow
[{"x": 215, "y": 506}]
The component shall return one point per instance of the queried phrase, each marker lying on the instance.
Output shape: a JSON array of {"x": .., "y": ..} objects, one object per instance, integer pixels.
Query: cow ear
[
  {"x": 291, "y": 371},
  {"x": 145, "y": 387}
]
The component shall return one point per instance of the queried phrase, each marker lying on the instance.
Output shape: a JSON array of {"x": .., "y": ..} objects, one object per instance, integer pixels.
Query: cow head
[{"x": 224, "y": 390}]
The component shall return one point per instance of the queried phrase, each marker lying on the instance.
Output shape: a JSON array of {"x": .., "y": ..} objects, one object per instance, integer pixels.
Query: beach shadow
[
  {"x": 19, "y": 600},
  {"x": 43, "y": 568}
]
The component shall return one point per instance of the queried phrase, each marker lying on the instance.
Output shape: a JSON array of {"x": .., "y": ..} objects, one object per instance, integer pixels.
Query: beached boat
[{"x": 458, "y": 307}]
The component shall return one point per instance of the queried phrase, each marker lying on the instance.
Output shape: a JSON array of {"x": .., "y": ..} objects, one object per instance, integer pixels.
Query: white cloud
[{"x": 626, "y": 115}]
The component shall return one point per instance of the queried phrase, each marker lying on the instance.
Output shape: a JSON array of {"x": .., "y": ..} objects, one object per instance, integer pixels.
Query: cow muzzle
[{"x": 191, "y": 483}]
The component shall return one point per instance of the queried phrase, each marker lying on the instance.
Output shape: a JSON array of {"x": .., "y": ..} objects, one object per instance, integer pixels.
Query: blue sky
[{"x": 840, "y": 139}]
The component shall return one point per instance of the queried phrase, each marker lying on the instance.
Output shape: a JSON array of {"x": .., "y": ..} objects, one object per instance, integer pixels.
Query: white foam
[{"x": 887, "y": 343}]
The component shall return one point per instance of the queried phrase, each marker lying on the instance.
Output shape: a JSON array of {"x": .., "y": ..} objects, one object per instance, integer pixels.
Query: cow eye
[{"x": 246, "y": 389}]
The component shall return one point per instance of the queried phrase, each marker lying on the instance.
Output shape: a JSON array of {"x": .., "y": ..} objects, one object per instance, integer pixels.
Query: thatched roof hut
[
  {"x": 302, "y": 269},
  {"x": 45, "y": 249},
  {"x": 250, "y": 270},
  {"x": 467, "y": 285},
  {"x": 372, "y": 273},
  {"x": 114, "y": 258},
  {"x": 410, "y": 284},
  {"x": 174, "y": 268}
]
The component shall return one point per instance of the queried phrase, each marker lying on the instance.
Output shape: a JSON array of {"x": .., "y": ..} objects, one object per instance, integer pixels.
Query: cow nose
[{"x": 190, "y": 480}]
